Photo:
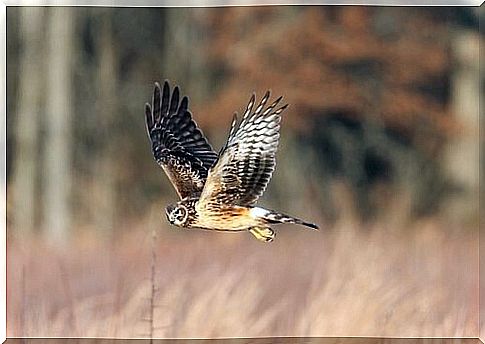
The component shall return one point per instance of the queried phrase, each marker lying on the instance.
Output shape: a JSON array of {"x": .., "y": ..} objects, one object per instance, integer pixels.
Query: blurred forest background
[{"x": 379, "y": 147}]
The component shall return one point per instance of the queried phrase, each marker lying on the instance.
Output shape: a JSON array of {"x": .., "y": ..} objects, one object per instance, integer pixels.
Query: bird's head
[{"x": 177, "y": 214}]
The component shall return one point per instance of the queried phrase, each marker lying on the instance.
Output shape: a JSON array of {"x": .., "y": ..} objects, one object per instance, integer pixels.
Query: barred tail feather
[{"x": 274, "y": 217}]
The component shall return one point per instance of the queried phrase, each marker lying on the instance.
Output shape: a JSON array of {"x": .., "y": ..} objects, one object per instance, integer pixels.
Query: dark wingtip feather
[
  {"x": 281, "y": 109},
  {"x": 165, "y": 98},
  {"x": 157, "y": 90},
  {"x": 166, "y": 88},
  {"x": 233, "y": 124},
  {"x": 184, "y": 104},
  {"x": 148, "y": 116},
  {"x": 263, "y": 102},
  {"x": 156, "y": 103},
  {"x": 174, "y": 102}
]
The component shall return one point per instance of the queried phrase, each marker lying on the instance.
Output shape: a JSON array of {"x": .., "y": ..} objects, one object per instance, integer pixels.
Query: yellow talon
[{"x": 264, "y": 234}]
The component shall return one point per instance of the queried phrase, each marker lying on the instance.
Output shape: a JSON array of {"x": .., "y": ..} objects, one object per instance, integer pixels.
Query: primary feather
[
  {"x": 247, "y": 160},
  {"x": 178, "y": 145}
]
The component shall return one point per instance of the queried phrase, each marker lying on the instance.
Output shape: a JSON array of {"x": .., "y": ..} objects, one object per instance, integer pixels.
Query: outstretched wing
[
  {"x": 178, "y": 145},
  {"x": 247, "y": 161}
]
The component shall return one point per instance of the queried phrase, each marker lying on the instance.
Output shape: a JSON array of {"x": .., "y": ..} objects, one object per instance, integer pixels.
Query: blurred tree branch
[
  {"x": 26, "y": 164},
  {"x": 57, "y": 173}
]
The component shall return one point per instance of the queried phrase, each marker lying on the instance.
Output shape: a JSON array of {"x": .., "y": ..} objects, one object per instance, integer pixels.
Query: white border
[
  {"x": 3, "y": 173},
  {"x": 142, "y": 3},
  {"x": 223, "y": 3}
]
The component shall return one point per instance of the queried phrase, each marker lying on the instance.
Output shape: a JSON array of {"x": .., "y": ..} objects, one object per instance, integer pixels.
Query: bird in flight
[{"x": 217, "y": 191}]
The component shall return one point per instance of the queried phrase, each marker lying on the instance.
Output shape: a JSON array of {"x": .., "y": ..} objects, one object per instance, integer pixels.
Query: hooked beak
[{"x": 168, "y": 211}]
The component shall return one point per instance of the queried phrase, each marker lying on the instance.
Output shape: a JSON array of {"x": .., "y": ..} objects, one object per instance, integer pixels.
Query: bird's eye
[{"x": 180, "y": 214}]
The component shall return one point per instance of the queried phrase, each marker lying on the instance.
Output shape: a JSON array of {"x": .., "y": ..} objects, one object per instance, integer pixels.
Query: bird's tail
[{"x": 274, "y": 217}]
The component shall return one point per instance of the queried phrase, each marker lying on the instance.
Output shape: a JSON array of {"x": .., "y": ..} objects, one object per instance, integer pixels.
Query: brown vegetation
[{"x": 370, "y": 281}]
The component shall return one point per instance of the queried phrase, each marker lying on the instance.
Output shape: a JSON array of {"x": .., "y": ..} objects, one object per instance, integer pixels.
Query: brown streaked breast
[{"x": 226, "y": 218}]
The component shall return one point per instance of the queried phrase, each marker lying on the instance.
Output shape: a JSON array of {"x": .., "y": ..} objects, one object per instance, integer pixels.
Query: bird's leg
[{"x": 265, "y": 234}]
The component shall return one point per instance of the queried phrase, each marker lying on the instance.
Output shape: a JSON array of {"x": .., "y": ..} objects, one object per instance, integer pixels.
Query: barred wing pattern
[
  {"x": 247, "y": 161},
  {"x": 178, "y": 145}
]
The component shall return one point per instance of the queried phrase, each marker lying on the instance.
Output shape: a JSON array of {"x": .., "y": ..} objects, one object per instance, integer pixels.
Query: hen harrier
[{"x": 217, "y": 191}]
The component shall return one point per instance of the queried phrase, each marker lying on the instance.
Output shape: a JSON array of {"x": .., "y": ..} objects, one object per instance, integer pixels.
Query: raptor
[{"x": 217, "y": 191}]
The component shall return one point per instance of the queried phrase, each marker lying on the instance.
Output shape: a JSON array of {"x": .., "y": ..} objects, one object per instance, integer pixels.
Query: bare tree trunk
[
  {"x": 104, "y": 211},
  {"x": 30, "y": 89},
  {"x": 462, "y": 158},
  {"x": 57, "y": 169},
  {"x": 183, "y": 37}
]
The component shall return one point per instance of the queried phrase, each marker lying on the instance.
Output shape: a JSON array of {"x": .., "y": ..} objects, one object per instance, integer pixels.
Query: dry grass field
[{"x": 348, "y": 280}]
